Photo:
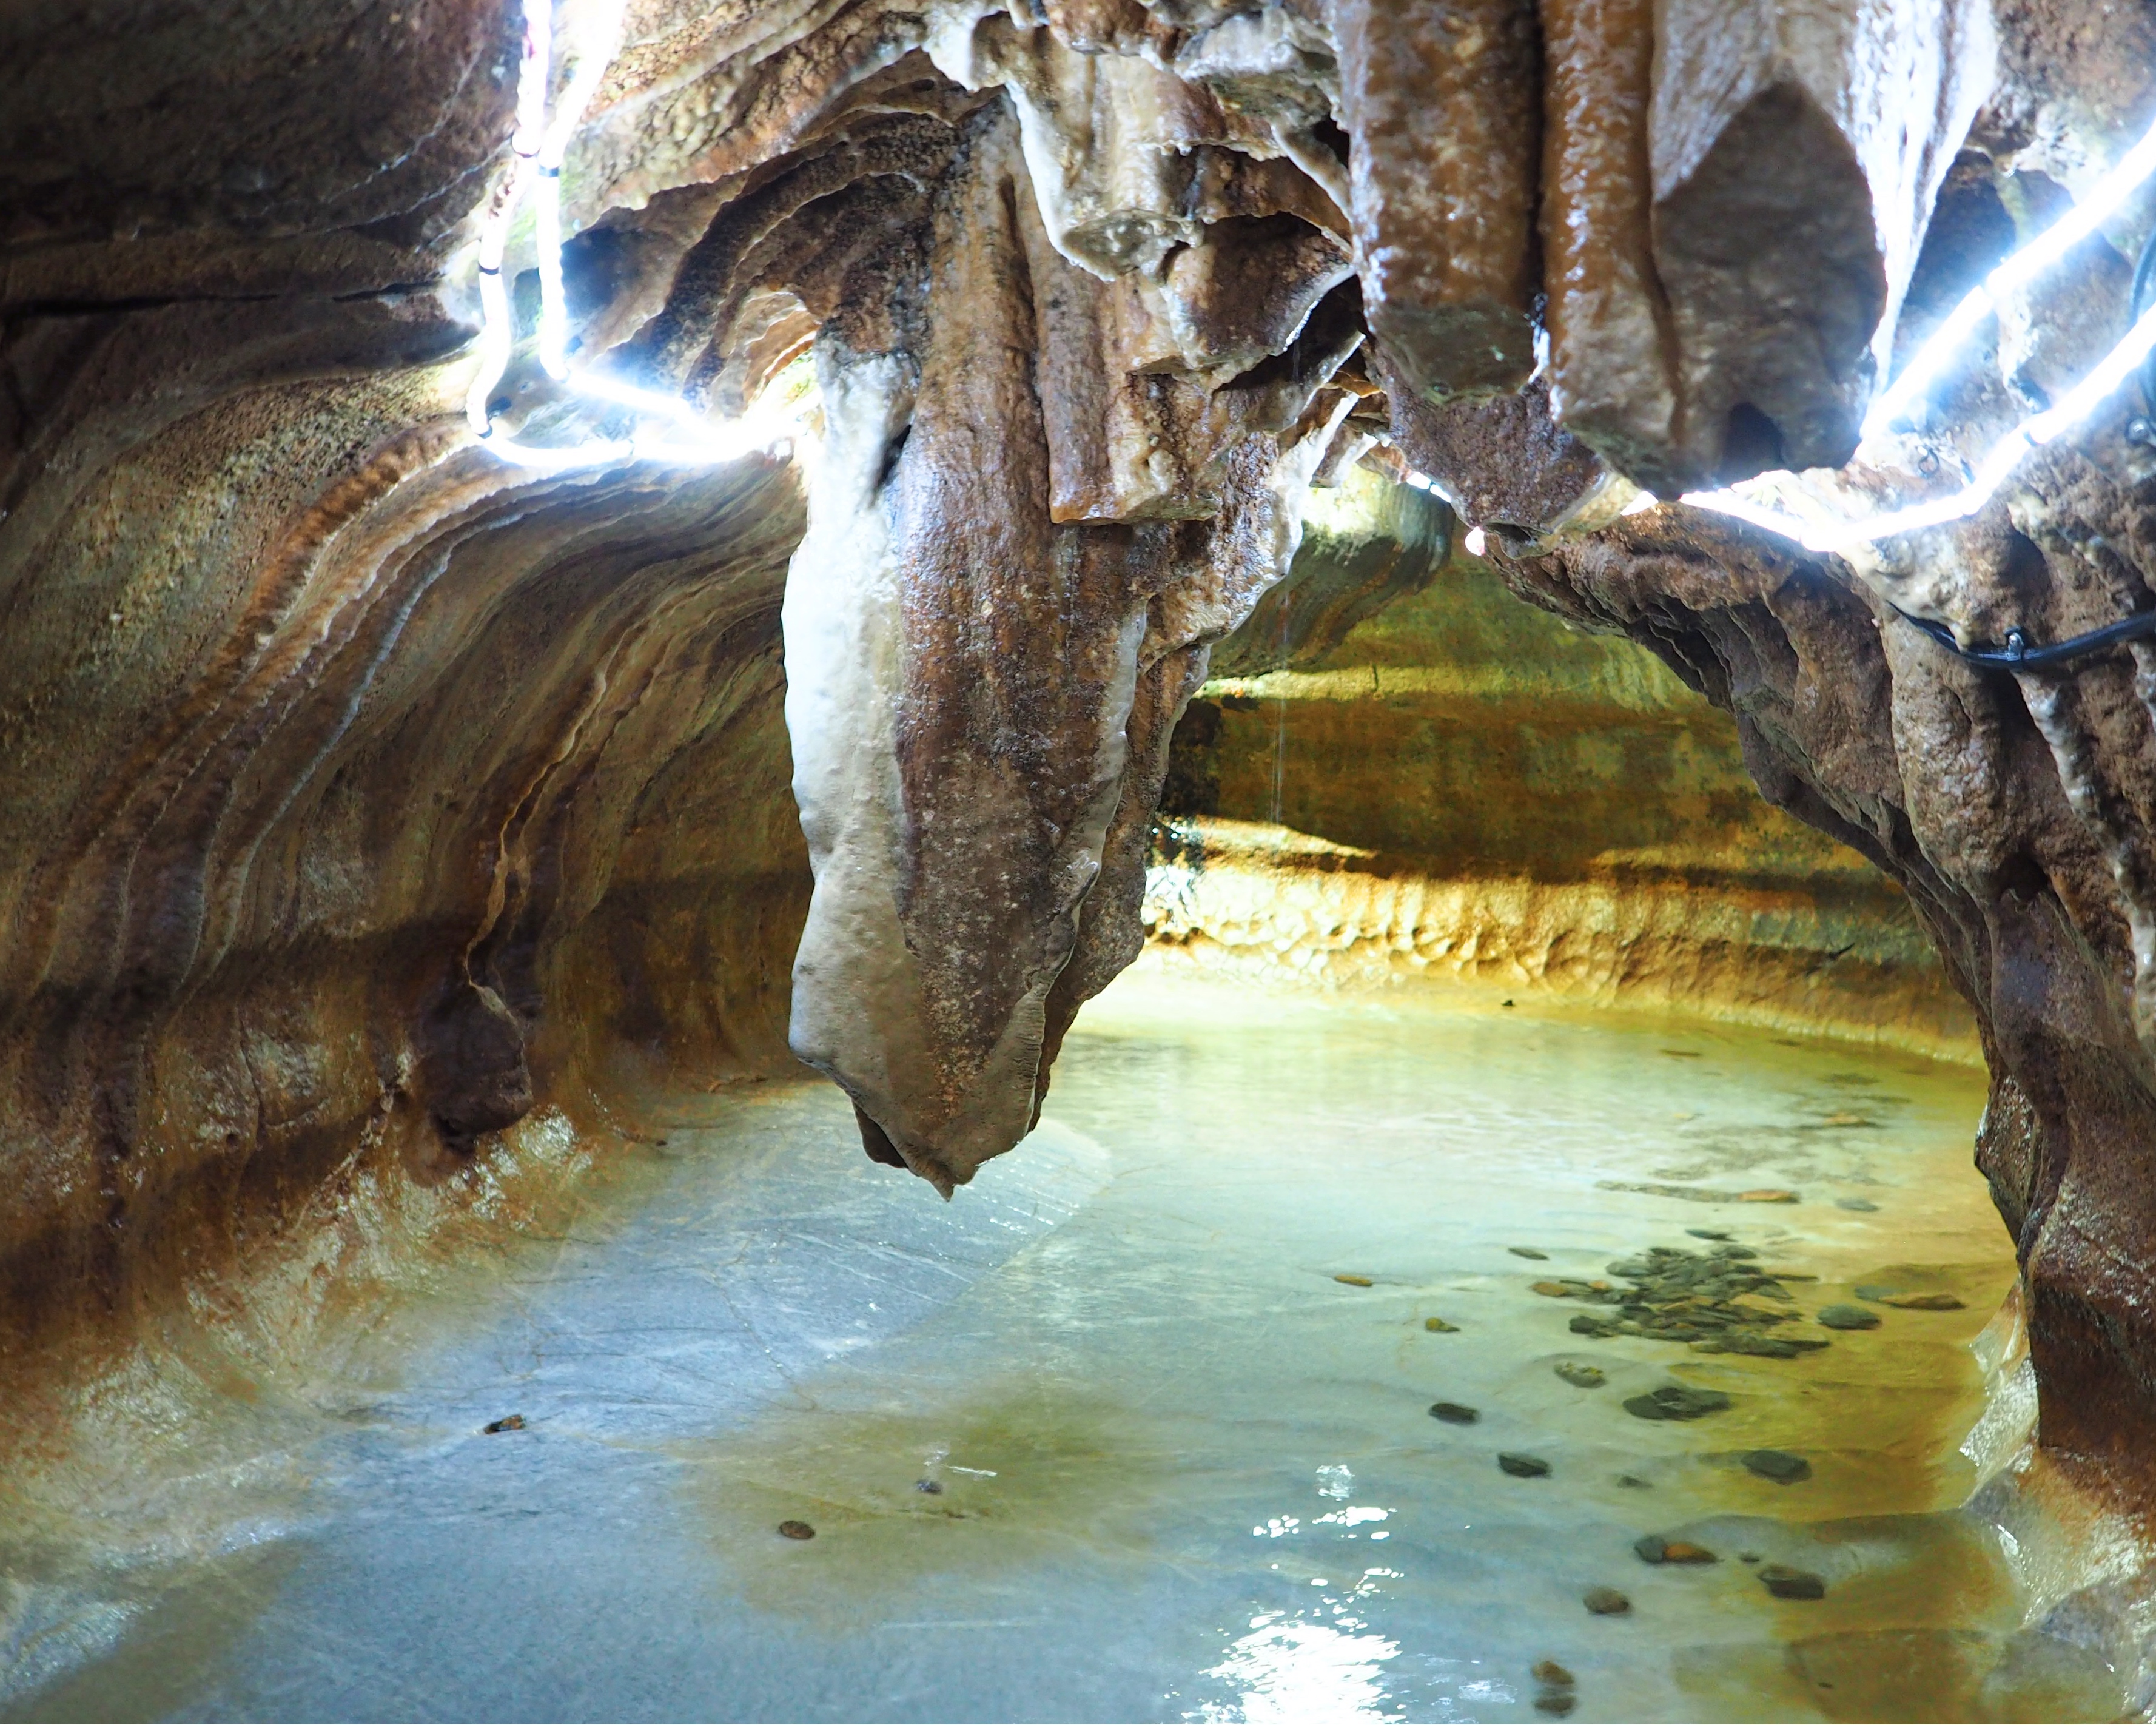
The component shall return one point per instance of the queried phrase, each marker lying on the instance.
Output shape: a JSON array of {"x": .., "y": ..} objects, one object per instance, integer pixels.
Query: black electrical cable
[{"x": 2017, "y": 654}]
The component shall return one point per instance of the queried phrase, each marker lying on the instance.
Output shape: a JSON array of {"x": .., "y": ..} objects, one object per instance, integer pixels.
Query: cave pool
[{"x": 1108, "y": 1437}]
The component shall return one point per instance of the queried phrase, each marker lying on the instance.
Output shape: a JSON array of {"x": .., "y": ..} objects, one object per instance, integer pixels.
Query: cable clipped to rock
[{"x": 2018, "y": 655}]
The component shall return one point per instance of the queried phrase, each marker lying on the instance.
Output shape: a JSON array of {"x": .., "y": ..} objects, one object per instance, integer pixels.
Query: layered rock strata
[
  {"x": 1458, "y": 787},
  {"x": 364, "y": 788}
]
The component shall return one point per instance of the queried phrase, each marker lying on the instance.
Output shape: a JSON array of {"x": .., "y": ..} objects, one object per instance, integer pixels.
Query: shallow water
[{"x": 1182, "y": 1472}]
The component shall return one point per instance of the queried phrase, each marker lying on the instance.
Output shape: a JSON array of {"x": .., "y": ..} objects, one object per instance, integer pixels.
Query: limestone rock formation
[
  {"x": 367, "y": 789},
  {"x": 1397, "y": 771}
]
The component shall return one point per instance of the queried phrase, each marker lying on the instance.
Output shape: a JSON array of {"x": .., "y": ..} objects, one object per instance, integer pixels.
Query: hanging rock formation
[{"x": 365, "y": 792}]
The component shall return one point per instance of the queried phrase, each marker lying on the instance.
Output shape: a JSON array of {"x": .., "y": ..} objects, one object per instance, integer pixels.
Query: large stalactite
[{"x": 365, "y": 791}]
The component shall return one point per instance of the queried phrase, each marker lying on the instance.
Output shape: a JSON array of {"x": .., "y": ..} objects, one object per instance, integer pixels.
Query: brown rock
[
  {"x": 1611, "y": 363},
  {"x": 1784, "y": 1582},
  {"x": 1652, "y": 1548},
  {"x": 1444, "y": 223},
  {"x": 1778, "y": 278},
  {"x": 1506, "y": 463}
]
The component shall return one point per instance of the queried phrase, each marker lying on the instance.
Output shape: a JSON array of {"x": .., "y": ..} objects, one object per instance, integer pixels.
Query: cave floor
[{"x": 1183, "y": 1471}]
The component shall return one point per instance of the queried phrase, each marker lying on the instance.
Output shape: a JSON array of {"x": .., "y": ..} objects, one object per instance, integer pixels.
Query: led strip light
[
  {"x": 1999, "y": 462},
  {"x": 1826, "y": 533},
  {"x": 1939, "y": 351},
  {"x": 539, "y": 145}
]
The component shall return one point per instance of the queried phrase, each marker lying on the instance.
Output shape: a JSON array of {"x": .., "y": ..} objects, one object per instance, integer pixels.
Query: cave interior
[{"x": 624, "y": 623}]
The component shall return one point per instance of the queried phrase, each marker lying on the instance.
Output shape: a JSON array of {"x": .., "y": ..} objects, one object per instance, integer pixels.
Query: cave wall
[{"x": 293, "y": 912}]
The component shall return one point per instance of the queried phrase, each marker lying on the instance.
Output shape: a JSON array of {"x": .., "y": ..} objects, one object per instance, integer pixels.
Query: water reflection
[{"x": 1295, "y": 1671}]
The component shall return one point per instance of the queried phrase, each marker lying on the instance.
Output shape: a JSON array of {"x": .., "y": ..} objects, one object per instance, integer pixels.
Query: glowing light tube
[
  {"x": 1828, "y": 535},
  {"x": 540, "y": 143},
  {"x": 1997, "y": 464},
  {"x": 1931, "y": 360}
]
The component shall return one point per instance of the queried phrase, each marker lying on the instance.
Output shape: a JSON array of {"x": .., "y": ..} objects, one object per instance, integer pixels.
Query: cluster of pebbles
[
  {"x": 1718, "y": 1300},
  {"x": 1721, "y": 1301}
]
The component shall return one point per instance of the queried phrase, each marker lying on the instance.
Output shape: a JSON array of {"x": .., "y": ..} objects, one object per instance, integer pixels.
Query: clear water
[{"x": 1185, "y": 1473}]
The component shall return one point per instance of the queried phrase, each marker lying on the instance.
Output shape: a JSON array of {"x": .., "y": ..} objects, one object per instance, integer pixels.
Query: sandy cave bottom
[{"x": 1109, "y": 1436}]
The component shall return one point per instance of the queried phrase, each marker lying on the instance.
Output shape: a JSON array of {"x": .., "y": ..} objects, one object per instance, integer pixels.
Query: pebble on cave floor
[
  {"x": 1605, "y": 1602},
  {"x": 1653, "y": 1549},
  {"x": 1785, "y": 1582},
  {"x": 1453, "y": 1413},
  {"x": 1778, "y": 1466},
  {"x": 1709, "y": 1300},
  {"x": 1523, "y": 1467},
  {"x": 1676, "y": 1401}
]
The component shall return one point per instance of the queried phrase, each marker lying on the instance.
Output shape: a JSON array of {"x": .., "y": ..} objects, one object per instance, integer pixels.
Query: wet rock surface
[
  {"x": 1246, "y": 1450},
  {"x": 1653, "y": 1549}
]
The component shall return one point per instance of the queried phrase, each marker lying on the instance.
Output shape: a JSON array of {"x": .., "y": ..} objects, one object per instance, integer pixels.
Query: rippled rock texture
[
  {"x": 363, "y": 791},
  {"x": 1456, "y": 786}
]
